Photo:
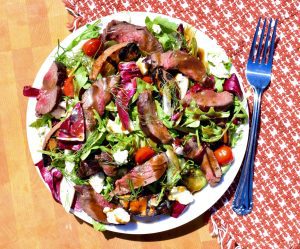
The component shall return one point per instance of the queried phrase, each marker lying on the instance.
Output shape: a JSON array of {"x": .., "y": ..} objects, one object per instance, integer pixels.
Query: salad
[{"x": 136, "y": 119}]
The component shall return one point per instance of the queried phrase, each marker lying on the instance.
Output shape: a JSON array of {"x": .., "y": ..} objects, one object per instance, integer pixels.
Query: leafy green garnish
[
  {"x": 98, "y": 226},
  {"x": 166, "y": 119},
  {"x": 108, "y": 187},
  {"x": 166, "y": 34},
  {"x": 142, "y": 86},
  {"x": 92, "y": 31},
  {"x": 45, "y": 120},
  {"x": 219, "y": 84}
]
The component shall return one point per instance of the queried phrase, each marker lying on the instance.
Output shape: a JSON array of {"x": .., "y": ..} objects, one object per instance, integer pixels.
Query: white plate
[{"x": 203, "y": 199}]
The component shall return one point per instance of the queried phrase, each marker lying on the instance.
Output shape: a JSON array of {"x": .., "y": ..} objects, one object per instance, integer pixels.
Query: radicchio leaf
[
  {"x": 52, "y": 178},
  {"x": 177, "y": 209},
  {"x": 128, "y": 71},
  {"x": 232, "y": 85},
  {"x": 72, "y": 129},
  {"x": 29, "y": 91}
]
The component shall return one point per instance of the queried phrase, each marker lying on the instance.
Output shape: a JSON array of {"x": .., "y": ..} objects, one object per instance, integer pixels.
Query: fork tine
[
  {"x": 251, "y": 55},
  {"x": 270, "y": 61},
  {"x": 260, "y": 42},
  {"x": 264, "y": 59}
]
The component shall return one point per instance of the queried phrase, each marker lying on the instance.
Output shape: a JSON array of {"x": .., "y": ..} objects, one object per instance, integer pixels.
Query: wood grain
[{"x": 29, "y": 217}]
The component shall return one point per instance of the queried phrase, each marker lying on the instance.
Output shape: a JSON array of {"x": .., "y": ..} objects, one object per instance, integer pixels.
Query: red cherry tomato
[
  {"x": 147, "y": 79},
  {"x": 92, "y": 46},
  {"x": 68, "y": 88},
  {"x": 143, "y": 154},
  {"x": 224, "y": 155}
]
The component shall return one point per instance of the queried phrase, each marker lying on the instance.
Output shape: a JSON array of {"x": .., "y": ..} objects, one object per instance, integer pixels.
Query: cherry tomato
[
  {"x": 224, "y": 155},
  {"x": 92, "y": 46},
  {"x": 147, "y": 79},
  {"x": 68, "y": 88},
  {"x": 143, "y": 154}
]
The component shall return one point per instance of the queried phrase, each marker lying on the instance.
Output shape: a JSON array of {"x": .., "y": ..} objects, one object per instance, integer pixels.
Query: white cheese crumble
[
  {"x": 156, "y": 28},
  {"x": 97, "y": 182},
  {"x": 114, "y": 127},
  {"x": 142, "y": 66},
  {"x": 178, "y": 149},
  {"x": 121, "y": 157},
  {"x": 116, "y": 216},
  {"x": 183, "y": 84},
  {"x": 67, "y": 191},
  {"x": 217, "y": 61},
  {"x": 181, "y": 194}
]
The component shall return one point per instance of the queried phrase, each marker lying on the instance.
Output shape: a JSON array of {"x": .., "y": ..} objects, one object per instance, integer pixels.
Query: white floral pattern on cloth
[{"x": 275, "y": 219}]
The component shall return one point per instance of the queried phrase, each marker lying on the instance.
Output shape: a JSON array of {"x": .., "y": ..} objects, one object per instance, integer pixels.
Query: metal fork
[{"x": 258, "y": 73}]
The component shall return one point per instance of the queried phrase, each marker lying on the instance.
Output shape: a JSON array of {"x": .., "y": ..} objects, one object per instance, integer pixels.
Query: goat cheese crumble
[
  {"x": 181, "y": 194},
  {"x": 116, "y": 216},
  {"x": 121, "y": 157}
]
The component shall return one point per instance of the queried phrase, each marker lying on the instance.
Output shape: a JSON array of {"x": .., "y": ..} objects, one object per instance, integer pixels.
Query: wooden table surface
[{"x": 29, "y": 217}]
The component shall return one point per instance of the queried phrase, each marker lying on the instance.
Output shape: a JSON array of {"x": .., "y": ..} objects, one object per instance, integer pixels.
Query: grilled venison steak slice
[
  {"x": 191, "y": 150},
  {"x": 93, "y": 203},
  {"x": 149, "y": 122},
  {"x": 88, "y": 168},
  {"x": 142, "y": 175},
  {"x": 211, "y": 168},
  {"x": 50, "y": 93},
  {"x": 208, "y": 98},
  {"x": 107, "y": 164},
  {"x": 126, "y": 32},
  {"x": 179, "y": 60}
]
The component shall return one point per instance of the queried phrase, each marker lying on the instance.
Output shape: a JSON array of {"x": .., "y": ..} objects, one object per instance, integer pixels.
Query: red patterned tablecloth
[{"x": 275, "y": 219}]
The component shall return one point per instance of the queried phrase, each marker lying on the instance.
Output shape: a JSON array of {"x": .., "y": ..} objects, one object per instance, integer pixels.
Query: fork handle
[{"x": 242, "y": 202}]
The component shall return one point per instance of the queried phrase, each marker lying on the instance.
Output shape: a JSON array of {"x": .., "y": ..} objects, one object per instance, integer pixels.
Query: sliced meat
[
  {"x": 88, "y": 168},
  {"x": 99, "y": 62},
  {"x": 192, "y": 151},
  {"x": 212, "y": 171},
  {"x": 129, "y": 53},
  {"x": 209, "y": 174},
  {"x": 126, "y": 32},
  {"x": 89, "y": 120},
  {"x": 185, "y": 63},
  {"x": 107, "y": 164},
  {"x": 47, "y": 100},
  {"x": 142, "y": 175},
  {"x": 50, "y": 93},
  {"x": 161, "y": 77},
  {"x": 208, "y": 98},
  {"x": 214, "y": 163},
  {"x": 55, "y": 76},
  {"x": 93, "y": 203},
  {"x": 149, "y": 122},
  {"x": 99, "y": 94}
]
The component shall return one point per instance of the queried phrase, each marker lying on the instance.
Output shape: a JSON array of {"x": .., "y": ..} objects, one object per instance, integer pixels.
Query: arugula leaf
[
  {"x": 81, "y": 80},
  {"x": 108, "y": 187},
  {"x": 92, "y": 31},
  {"x": 45, "y": 120},
  {"x": 166, "y": 119},
  {"x": 142, "y": 86},
  {"x": 219, "y": 84},
  {"x": 168, "y": 35},
  {"x": 98, "y": 226}
]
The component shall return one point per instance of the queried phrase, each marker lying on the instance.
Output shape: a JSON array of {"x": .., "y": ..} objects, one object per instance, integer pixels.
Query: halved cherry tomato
[
  {"x": 147, "y": 79},
  {"x": 143, "y": 154},
  {"x": 224, "y": 155},
  {"x": 68, "y": 88},
  {"x": 92, "y": 46}
]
